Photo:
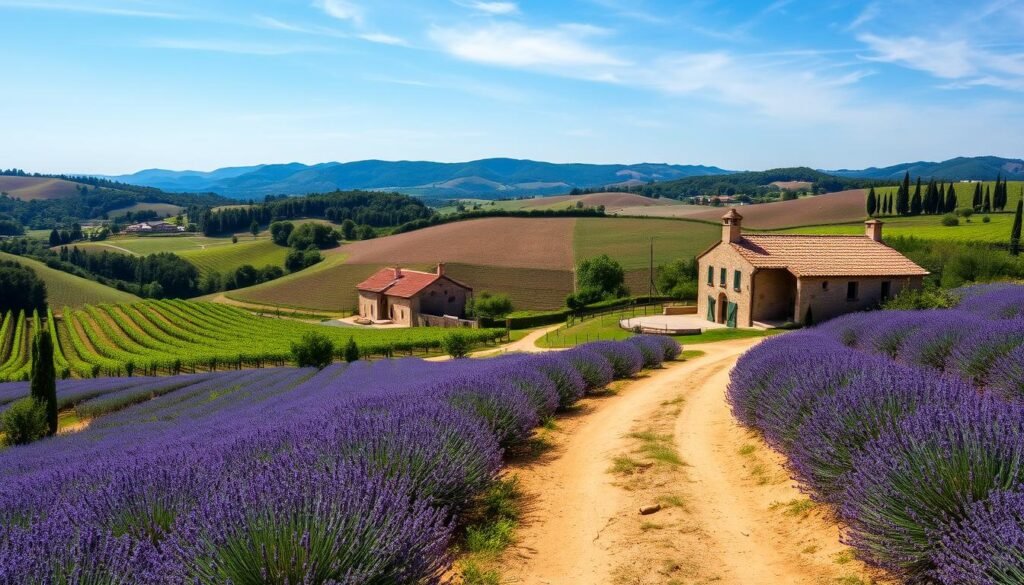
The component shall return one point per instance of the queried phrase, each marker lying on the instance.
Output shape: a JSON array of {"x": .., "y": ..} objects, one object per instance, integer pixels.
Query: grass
[
  {"x": 143, "y": 245},
  {"x": 927, "y": 227},
  {"x": 628, "y": 240},
  {"x": 624, "y": 464},
  {"x": 161, "y": 209},
  {"x": 657, "y": 447},
  {"x": 65, "y": 289},
  {"x": 225, "y": 259},
  {"x": 327, "y": 286},
  {"x": 490, "y": 530},
  {"x": 606, "y": 327},
  {"x": 798, "y": 507}
]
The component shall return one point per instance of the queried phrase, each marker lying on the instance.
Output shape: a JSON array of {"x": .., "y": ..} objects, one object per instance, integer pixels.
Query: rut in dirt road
[{"x": 720, "y": 521}]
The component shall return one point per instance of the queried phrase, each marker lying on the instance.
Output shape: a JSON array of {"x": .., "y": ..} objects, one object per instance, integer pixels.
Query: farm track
[{"x": 730, "y": 513}]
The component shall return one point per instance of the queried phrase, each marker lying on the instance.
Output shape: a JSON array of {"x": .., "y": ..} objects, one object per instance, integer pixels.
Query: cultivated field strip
[{"x": 174, "y": 337}]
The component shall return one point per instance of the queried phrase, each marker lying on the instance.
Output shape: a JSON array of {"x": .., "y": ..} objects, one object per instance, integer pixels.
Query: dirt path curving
[{"x": 729, "y": 512}]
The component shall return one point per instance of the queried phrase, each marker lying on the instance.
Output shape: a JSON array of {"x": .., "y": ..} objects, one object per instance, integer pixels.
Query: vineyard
[
  {"x": 357, "y": 473},
  {"x": 173, "y": 337}
]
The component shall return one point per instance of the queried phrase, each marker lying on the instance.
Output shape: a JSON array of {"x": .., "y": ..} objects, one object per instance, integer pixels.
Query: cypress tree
[
  {"x": 915, "y": 201},
  {"x": 976, "y": 202},
  {"x": 872, "y": 203},
  {"x": 950, "y": 199},
  {"x": 902, "y": 201},
  {"x": 986, "y": 201},
  {"x": 1015, "y": 231},
  {"x": 906, "y": 184},
  {"x": 997, "y": 193},
  {"x": 44, "y": 378}
]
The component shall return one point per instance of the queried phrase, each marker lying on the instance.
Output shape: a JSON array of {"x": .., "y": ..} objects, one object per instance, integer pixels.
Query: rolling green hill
[{"x": 65, "y": 289}]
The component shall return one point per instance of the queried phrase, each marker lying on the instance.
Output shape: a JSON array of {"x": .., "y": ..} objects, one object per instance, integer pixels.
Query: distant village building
[
  {"x": 153, "y": 227},
  {"x": 748, "y": 279},
  {"x": 412, "y": 298}
]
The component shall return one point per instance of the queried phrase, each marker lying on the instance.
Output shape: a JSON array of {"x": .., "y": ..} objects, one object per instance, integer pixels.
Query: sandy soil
[{"x": 729, "y": 512}]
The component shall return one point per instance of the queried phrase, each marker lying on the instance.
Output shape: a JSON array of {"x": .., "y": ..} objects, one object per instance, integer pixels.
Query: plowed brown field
[
  {"x": 841, "y": 207},
  {"x": 31, "y": 188},
  {"x": 609, "y": 200}
]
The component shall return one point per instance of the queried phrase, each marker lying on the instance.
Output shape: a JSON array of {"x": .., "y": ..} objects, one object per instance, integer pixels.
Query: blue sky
[{"x": 111, "y": 86}]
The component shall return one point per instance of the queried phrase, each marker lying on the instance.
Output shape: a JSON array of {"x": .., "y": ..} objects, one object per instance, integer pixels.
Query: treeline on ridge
[{"x": 362, "y": 207}]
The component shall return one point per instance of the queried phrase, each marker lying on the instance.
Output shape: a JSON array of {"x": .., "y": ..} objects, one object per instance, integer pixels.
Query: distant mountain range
[
  {"x": 983, "y": 168},
  {"x": 485, "y": 179}
]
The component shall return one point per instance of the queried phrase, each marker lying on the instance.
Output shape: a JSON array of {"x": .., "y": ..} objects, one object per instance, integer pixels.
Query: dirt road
[{"x": 729, "y": 512}]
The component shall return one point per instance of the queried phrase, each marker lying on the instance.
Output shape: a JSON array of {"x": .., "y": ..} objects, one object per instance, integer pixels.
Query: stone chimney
[
  {"x": 440, "y": 268},
  {"x": 731, "y": 226},
  {"x": 398, "y": 272},
  {"x": 873, "y": 230}
]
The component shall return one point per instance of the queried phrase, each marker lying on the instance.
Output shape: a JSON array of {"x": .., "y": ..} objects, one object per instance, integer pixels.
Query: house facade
[
  {"x": 769, "y": 279},
  {"x": 405, "y": 297}
]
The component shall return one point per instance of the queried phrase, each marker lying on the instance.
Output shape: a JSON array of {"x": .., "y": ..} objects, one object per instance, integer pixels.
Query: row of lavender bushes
[
  {"x": 910, "y": 424},
  {"x": 352, "y": 474}
]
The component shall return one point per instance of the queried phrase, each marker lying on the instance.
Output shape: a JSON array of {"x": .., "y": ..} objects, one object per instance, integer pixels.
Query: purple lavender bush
[
  {"x": 985, "y": 547},
  {"x": 651, "y": 349},
  {"x": 625, "y": 358},
  {"x": 594, "y": 368}
]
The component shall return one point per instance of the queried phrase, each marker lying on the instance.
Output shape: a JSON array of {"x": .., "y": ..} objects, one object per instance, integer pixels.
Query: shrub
[
  {"x": 505, "y": 408},
  {"x": 594, "y": 368},
  {"x": 926, "y": 298},
  {"x": 538, "y": 387},
  {"x": 650, "y": 348},
  {"x": 986, "y": 219},
  {"x": 986, "y": 547},
  {"x": 625, "y": 358},
  {"x": 351, "y": 352},
  {"x": 313, "y": 350},
  {"x": 928, "y": 471},
  {"x": 456, "y": 345},
  {"x": 950, "y": 220},
  {"x": 568, "y": 382},
  {"x": 24, "y": 421},
  {"x": 489, "y": 306}
]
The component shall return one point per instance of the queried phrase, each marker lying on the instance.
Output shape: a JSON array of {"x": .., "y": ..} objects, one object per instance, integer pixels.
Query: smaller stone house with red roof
[
  {"x": 401, "y": 296},
  {"x": 768, "y": 279}
]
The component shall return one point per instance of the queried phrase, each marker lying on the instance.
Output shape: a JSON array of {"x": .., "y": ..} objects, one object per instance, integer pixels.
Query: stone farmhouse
[
  {"x": 412, "y": 298},
  {"x": 153, "y": 227},
  {"x": 749, "y": 280}
]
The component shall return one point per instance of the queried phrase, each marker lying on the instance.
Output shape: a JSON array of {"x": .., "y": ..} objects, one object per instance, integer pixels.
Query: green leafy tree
[
  {"x": 872, "y": 203},
  {"x": 254, "y": 228},
  {"x": 348, "y": 230},
  {"x": 351, "y": 352},
  {"x": 23, "y": 422},
  {"x": 456, "y": 345},
  {"x": 602, "y": 273},
  {"x": 366, "y": 232},
  {"x": 20, "y": 288},
  {"x": 313, "y": 350},
  {"x": 280, "y": 231},
  {"x": 43, "y": 386},
  {"x": 1015, "y": 231},
  {"x": 489, "y": 305},
  {"x": 54, "y": 238}
]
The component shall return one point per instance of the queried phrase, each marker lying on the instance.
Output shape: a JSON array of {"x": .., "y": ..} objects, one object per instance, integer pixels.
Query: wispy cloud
[
  {"x": 495, "y": 8},
  {"x": 86, "y": 8},
  {"x": 233, "y": 47},
  {"x": 384, "y": 39},
  {"x": 948, "y": 60},
  {"x": 869, "y": 13},
  {"x": 514, "y": 45},
  {"x": 342, "y": 10}
]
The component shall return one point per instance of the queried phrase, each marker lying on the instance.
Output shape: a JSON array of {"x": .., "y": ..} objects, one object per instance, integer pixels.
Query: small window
[
  {"x": 851, "y": 291},
  {"x": 711, "y": 275},
  {"x": 886, "y": 289},
  {"x": 721, "y": 277},
  {"x": 824, "y": 286},
  {"x": 737, "y": 278}
]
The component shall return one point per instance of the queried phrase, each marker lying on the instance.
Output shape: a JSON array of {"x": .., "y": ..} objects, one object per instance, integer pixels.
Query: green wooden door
[
  {"x": 711, "y": 308},
  {"x": 730, "y": 314}
]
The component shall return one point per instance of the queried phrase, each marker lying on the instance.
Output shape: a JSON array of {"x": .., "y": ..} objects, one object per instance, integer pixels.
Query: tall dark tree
[
  {"x": 903, "y": 200},
  {"x": 976, "y": 202},
  {"x": 54, "y": 238},
  {"x": 44, "y": 377},
  {"x": 1015, "y": 231},
  {"x": 906, "y": 184},
  {"x": 872, "y": 203},
  {"x": 950, "y": 199},
  {"x": 986, "y": 201},
  {"x": 915, "y": 201}
]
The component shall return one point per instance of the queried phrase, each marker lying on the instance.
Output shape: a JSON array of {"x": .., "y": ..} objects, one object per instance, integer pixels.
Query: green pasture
[
  {"x": 258, "y": 253},
  {"x": 964, "y": 191},
  {"x": 628, "y": 240},
  {"x": 65, "y": 289},
  {"x": 927, "y": 227}
]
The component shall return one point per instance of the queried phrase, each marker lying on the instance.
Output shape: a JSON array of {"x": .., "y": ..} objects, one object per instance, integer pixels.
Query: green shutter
[
  {"x": 711, "y": 308},
  {"x": 736, "y": 275},
  {"x": 711, "y": 275},
  {"x": 730, "y": 315},
  {"x": 721, "y": 277}
]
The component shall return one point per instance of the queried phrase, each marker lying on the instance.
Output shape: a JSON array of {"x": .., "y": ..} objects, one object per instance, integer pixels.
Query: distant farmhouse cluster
[{"x": 153, "y": 227}]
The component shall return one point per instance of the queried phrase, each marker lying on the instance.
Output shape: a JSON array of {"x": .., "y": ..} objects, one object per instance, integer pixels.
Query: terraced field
[
  {"x": 65, "y": 289},
  {"x": 258, "y": 253},
  {"x": 171, "y": 337}
]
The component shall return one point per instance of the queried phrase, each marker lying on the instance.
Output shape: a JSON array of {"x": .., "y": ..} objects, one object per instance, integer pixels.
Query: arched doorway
[{"x": 720, "y": 308}]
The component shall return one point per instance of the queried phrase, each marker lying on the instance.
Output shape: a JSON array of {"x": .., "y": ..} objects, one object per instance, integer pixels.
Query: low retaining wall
[
  {"x": 446, "y": 321},
  {"x": 679, "y": 310}
]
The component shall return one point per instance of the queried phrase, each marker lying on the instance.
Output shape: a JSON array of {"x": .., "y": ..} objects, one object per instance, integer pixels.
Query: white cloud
[
  {"x": 222, "y": 46},
  {"x": 960, "y": 61},
  {"x": 384, "y": 39},
  {"x": 513, "y": 45},
  {"x": 495, "y": 8},
  {"x": 341, "y": 9},
  {"x": 90, "y": 9},
  {"x": 870, "y": 12}
]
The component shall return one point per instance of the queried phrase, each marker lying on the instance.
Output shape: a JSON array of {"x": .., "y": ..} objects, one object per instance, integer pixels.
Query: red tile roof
[
  {"x": 825, "y": 255},
  {"x": 402, "y": 282}
]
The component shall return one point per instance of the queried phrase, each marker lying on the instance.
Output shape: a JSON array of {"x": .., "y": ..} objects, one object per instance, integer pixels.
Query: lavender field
[
  {"x": 910, "y": 425},
  {"x": 352, "y": 474}
]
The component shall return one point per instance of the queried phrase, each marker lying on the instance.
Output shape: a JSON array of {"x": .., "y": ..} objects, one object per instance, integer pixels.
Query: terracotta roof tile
[
  {"x": 398, "y": 282},
  {"x": 825, "y": 255}
]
